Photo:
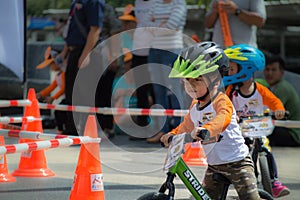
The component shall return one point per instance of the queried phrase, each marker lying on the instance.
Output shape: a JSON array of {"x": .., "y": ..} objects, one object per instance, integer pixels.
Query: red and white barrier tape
[
  {"x": 31, "y": 146},
  {"x": 14, "y": 103},
  {"x": 7, "y": 120},
  {"x": 32, "y": 135},
  {"x": 287, "y": 123},
  {"x": 104, "y": 111},
  {"x": 116, "y": 111},
  {"x": 124, "y": 111}
]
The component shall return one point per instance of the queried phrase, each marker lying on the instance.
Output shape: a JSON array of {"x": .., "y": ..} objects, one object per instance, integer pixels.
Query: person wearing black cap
[{"x": 81, "y": 35}]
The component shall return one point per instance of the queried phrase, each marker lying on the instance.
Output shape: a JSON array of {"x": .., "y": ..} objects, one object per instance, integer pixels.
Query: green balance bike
[{"x": 175, "y": 165}]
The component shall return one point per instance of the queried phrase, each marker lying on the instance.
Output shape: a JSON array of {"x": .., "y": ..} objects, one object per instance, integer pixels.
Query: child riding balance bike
[
  {"x": 250, "y": 98},
  {"x": 202, "y": 67}
]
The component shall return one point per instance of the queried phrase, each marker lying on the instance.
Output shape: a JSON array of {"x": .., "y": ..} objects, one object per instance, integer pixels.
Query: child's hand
[
  {"x": 164, "y": 139},
  {"x": 38, "y": 96},
  {"x": 195, "y": 133},
  {"x": 279, "y": 114},
  {"x": 49, "y": 100}
]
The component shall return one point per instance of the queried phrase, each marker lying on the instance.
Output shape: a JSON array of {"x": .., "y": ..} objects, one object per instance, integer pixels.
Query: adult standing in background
[
  {"x": 167, "y": 17},
  {"x": 282, "y": 89},
  {"x": 111, "y": 26},
  {"x": 142, "y": 39},
  {"x": 244, "y": 17},
  {"x": 82, "y": 33}
]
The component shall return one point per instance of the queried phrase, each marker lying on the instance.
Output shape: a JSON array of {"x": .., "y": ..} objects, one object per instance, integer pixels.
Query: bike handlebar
[
  {"x": 272, "y": 114},
  {"x": 204, "y": 134}
]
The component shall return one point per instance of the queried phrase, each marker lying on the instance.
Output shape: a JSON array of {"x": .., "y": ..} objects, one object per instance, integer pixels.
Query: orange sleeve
[
  {"x": 61, "y": 91},
  {"x": 228, "y": 90},
  {"x": 224, "y": 110},
  {"x": 49, "y": 89},
  {"x": 187, "y": 125},
  {"x": 269, "y": 99}
]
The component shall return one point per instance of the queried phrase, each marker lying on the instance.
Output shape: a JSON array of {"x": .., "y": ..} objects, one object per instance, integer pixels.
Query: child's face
[
  {"x": 195, "y": 87},
  {"x": 233, "y": 69}
]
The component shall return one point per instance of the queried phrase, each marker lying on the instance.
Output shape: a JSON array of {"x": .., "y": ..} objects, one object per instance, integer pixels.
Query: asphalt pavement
[{"x": 130, "y": 169}]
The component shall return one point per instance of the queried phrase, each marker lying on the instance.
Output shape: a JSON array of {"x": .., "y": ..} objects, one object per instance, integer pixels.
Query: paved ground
[{"x": 130, "y": 169}]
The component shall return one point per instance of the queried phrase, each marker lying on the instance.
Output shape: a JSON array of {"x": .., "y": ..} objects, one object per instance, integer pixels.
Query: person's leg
[
  {"x": 212, "y": 187},
  {"x": 156, "y": 69},
  {"x": 70, "y": 76},
  {"x": 241, "y": 174},
  {"x": 60, "y": 118},
  {"x": 175, "y": 94},
  {"x": 103, "y": 99},
  {"x": 143, "y": 92},
  {"x": 278, "y": 190}
]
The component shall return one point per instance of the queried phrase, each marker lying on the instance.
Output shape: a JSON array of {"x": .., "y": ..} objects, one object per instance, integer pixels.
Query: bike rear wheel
[
  {"x": 154, "y": 196},
  {"x": 265, "y": 174}
]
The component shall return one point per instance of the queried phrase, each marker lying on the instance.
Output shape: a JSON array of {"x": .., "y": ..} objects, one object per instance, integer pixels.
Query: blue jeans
[{"x": 168, "y": 92}]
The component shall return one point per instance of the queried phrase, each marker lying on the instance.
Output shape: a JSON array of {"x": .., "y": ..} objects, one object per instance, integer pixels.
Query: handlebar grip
[
  {"x": 169, "y": 141},
  {"x": 272, "y": 114},
  {"x": 286, "y": 114},
  {"x": 204, "y": 134}
]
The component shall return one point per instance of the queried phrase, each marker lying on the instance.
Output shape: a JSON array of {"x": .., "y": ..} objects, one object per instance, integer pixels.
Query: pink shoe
[{"x": 279, "y": 190}]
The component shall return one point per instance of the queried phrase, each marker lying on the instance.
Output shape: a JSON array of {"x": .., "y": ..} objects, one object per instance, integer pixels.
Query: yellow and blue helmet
[{"x": 250, "y": 60}]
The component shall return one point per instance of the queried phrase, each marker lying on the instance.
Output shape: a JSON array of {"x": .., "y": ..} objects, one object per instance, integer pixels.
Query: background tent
[{"x": 12, "y": 34}]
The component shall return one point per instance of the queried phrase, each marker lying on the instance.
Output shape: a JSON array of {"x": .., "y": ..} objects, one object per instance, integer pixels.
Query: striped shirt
[{"x": 170, "y": 17}]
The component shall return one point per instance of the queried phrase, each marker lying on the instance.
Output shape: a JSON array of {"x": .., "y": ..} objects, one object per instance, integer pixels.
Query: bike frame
[
  {"x": 187, "y": 177},
  {"x": 258, "y": 150}
]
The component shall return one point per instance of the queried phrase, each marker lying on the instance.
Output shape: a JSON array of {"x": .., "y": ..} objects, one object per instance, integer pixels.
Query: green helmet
[{"x": 200, "y": 59}]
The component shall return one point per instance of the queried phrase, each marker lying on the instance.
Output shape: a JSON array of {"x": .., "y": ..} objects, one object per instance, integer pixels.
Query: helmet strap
[{"x": 202, "y": 98}]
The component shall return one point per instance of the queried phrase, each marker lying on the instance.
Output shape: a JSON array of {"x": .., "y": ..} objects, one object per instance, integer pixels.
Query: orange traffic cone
[
  {"x": 194, "y": 154},
  {"x": 4, "y": 176},
  {"x": 88, "y": 180},
  {"x": 32, "y": 163}
]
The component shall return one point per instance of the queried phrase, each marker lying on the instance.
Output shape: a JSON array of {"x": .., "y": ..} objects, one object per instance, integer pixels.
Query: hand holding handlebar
[
  {"x": 166, "y": 139},
  {"x": 200, "y": 133}
]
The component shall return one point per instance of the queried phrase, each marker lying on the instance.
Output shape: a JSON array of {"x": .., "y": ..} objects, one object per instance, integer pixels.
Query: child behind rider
[
  {"x": 202, "y": 66},
  {"x": 250, "y": 98}
]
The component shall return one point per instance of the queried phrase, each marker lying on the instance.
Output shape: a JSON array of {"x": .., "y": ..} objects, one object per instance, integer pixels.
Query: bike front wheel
[
  {"x": 264, "y": 195},
  {"x": 154, "y": 196},
  {"x": 265, "y": 174}
]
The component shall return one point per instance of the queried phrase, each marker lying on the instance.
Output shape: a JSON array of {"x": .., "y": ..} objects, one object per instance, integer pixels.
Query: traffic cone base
[
  {"x": 88, "y": 179},
  {"x": 42, "y": 172},
  {"x": 87, "y": 186},
  {"x": 4, "y": 175},
  {"x": 33, "y": 163},
  {"x": 194, "y": 155}
]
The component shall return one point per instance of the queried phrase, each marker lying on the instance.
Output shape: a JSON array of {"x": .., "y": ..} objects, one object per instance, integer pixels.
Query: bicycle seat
[{"x": 221, "y": 178}]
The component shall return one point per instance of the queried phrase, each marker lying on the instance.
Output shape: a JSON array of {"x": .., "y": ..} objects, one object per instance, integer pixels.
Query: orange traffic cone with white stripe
[
  {"x": 88, "y": 179},
  {"x": 194, "y": 154},
  {"x": 32, "y": 163},
  {"x": 4, "y": 175}
]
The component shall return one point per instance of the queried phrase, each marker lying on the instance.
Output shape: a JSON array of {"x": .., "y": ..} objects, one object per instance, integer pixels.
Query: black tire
[
  {"x": 264, "y": 195},
  {"x": 154, "y": 196},
  {"x": 265, "y": 174}
]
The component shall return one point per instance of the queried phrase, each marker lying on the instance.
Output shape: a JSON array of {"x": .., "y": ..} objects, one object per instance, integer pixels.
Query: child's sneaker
[{"x": 279, "y": 190}]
